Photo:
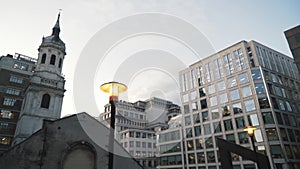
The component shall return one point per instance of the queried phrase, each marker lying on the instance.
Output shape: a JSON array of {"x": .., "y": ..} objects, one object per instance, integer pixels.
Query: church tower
[{"x": 44, "y": 95}]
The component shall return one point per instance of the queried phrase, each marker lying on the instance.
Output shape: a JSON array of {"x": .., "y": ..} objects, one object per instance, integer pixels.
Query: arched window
[
  {"x": 52, "y": 60},
  {"x": 43, "y": 58},
  {"x": 60, "y": 63},
  {"x": 78, "y": 157},
  {"x": 45, "y": 101}
]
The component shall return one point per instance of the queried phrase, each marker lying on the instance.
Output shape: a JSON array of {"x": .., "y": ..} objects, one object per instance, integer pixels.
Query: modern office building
[
  {"x": 15, "y": 73},
  {"x": 244, "y": 84},
  {"x": 137, "y": 124},
  {"x": 293, "y": 37}
]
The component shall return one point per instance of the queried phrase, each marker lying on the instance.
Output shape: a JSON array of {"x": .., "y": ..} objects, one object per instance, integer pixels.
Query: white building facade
[
  {"x": 137, "y": 124},
  {"x": 244, "y": 84}
]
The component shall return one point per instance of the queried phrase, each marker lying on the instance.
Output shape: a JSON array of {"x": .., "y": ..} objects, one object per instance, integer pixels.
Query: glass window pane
[
  {"x": 228, "y": 125},
  {"x": 249, "y": 105},
  {"x": 246, "y": 91},
  {"x": 253, "y": 120},
  {"x": 234, "y": 95},
  {"x": 211, "y": 89},
  {"x": 268, "y": 118},
  {"x": 237, "y": 108},
  {"x": 272, "y": 134},
  {"x": 231, "y": 82},
  {"x": 213, "y": 101},
  {"x": 221, "y": 86},
  {"x": 243, "y": 78},
  {"x": 240, "y": 123},
  {"x": 260, "y": 88},
  {"x": 223, "y": 98},
  {"x": 256, "y": 75},
  {"x": 215, "y": 114}
]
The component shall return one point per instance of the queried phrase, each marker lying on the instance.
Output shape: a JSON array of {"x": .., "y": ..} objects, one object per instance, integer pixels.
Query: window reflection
[
  {"x": 272, "y": 134},
  {"x": 246, "y": 91},
  {"x": 256, "y": 75},
  {"x": 253, "y": 120},
  {"x": 268, "y": 118},
  {"x": 260, "y": 88},
  {"x": 249, "y": 105},
  {"x": 234, "y": 94},
  {"x": 237, "y": 108},
  {"x": 243, "y": 78},
  {"x": 231, "y": 82},
  {"x": 263, "y": 103}
]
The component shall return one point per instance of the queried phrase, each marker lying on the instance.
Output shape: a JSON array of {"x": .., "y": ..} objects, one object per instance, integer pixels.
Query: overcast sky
[{"x": 24, "y": 23}]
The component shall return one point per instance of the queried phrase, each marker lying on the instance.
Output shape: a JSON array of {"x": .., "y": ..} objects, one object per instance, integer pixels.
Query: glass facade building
[{"x": 245, "y": 84}]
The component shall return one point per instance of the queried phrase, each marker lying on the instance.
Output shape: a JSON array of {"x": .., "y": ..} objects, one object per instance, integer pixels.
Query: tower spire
[{"x": 56, "y": 28}]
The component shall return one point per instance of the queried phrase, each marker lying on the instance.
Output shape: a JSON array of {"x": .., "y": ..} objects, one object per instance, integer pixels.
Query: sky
[{"x": 141, "y": 43}]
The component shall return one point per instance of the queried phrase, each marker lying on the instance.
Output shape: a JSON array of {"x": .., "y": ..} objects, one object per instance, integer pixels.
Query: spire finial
[{"x": 56, "y": 28}]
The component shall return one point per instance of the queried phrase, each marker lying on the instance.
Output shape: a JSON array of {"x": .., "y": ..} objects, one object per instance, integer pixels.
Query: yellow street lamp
[
  {"x": 113, "y": 88},
  {"x": 250, "y": 131}
]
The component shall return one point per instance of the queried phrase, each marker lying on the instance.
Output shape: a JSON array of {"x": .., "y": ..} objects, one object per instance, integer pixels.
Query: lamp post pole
[
  {"x": 250, "y": 131},
  {"x": 113, "y": 88}
]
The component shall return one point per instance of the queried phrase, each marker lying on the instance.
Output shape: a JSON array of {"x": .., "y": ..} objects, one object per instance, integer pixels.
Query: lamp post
[
  {"x": 250, "y": 131},
  {"x": 113, "y": 88}
]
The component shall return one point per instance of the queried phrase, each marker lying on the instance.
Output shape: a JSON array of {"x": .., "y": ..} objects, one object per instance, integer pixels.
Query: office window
[
  {"x": 263, "y": 103},
  {"x": 228, "y": 125},
  {"x": 211, "y": 157},
  {"x": 291, "y": 135},
  {"x": 243, "y": 78},
  {"x": 131, "y": 144},
  {"x": 268, "y": 118},
  {"x": 6, "y": 114},
  {"x": 205, "y": 116},
  {"x": 249, "y": 105},
  {"x": 9, "y": 102},
  {"x": 215, "y": 114},
  {"x": 246, "y": 91},
  {"x": 138, "y": 144},
  {"x": 190, "y": 145},
  {"x": 276, "y": 151},
  {"x": 186, "y": 109},
  {"x": 196, "y": 118},
  {"x": 206, "y": 129},
  {"x": 237, "y": 108},
  {"x": 189, "y": 132},
  {"x": 256, "y": 75},
  {"x": 230, "y": 138},
  {"x": 231, "y": 82},
  {"x": 197, "y": 130},
  {"x": 240, "y": 123},
  {"x": 253, "y": 120},
  {"x": 201, "y": 158},
  {"x": 278, "y": 91},
  {"x": 221, "y": 86},
  {"x": 16, "y": 79},
  {"x": 199, "y": 144},
  {"x": 217, "y": 127},
  {"x": 260, "y": 88},
  {"x": 213, "y": 101},
  {"x": 211, "y": 89},
  {"x": 193, "y": 95},
  {"x": 243, "y": 137},
  {"x": 234, "y": 94},
  {"x": 191, "y": 158},
  {"x": 272, "y": 134},
  {"x": 202, "y": 92},
  {"x": 226, "y": 111},
  {"x": 13, "y": 91},
  {"x": 194, "y": 106},
  {"x": 203, "y": 104},
  {"x": 187, "y": 120},
  {"x": 223, "y": 98},
  {"x": 5, "y": 141},
  {"x": 209, "y": 143}
]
